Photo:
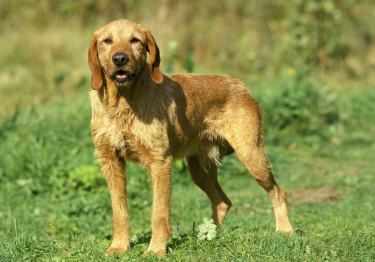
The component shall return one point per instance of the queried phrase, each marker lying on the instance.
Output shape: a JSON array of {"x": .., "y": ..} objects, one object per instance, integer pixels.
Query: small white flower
[{"x": 207, "y": 230}]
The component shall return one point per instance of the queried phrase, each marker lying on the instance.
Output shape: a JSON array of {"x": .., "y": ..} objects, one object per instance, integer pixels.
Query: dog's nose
[{"x": 120, "y": 59}]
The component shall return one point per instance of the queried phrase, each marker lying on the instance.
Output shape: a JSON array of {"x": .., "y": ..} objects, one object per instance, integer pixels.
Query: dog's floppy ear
[
  {"x": 153, "y": 49},
  {"x": 97, "y": 77}
]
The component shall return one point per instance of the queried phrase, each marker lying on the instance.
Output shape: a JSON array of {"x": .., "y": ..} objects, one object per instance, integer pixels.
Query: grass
[{"x": 48, "y": 174}]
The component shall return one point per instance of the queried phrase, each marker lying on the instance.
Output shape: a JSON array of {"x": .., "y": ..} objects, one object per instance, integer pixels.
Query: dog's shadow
[
  {"x": 177, "y": 240},
  {"x": 143, "y": 240}
]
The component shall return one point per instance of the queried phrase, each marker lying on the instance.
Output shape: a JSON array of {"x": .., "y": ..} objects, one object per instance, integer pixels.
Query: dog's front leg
[
  {"x": 113, "y": 168},
  {"x": 161, "y": 190}
]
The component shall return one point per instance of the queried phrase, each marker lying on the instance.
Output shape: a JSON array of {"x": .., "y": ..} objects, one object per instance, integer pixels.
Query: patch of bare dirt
[{"x": 315, "y": 195}]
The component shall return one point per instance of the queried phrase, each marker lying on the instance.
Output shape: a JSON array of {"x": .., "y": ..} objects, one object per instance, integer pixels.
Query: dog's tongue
[{"x": 121, "y": 76}]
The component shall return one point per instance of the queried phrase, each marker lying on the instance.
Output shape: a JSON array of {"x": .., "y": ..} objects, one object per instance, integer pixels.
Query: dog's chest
[{"x": 135, "y": 140}]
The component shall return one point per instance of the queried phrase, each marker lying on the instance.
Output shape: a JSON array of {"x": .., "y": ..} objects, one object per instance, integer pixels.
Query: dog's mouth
[{"x": 121, "y": 76}]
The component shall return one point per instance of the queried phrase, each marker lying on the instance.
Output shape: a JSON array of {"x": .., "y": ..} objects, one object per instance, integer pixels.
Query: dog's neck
[
  {"x": 114, "y": 92},
  {"x": 136, "y": 97}
]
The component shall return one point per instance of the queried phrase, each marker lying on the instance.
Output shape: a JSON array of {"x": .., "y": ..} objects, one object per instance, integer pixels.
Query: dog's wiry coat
[{"x": 141, "y": 115}]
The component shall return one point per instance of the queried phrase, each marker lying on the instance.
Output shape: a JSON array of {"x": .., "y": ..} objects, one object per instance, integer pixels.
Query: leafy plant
[
  {"x": 87, "y": 176},
  {"x": 297, "y": 105},
  {"x": 207, "y": 230}
]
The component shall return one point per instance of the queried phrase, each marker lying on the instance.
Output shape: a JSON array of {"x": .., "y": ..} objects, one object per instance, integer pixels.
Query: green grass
[{"x": 48, "y": 174}]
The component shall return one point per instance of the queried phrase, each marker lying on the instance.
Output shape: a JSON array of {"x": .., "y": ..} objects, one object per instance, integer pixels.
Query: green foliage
[
  {"x": 314, "y": 31},
  {"x": 311, "y": 111},
  {"x": 87, "y": 176},
  {"x": 189, "y": 62},
  {"x": 356, "y": 111},
  {"x": 45, "y": 145},
  {"x": 171, "y": 55},
  {"x": 241, "y": 38},
  {"x": 301, "y": 107},
  {"x": 24, "y": 248}
]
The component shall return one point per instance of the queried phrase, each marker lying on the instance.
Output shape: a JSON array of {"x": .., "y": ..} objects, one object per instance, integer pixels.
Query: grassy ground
[{"x": 48, "y": 175}]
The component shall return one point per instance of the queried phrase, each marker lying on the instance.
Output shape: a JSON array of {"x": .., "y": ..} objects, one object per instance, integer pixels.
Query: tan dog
[{"x": 141, "y": 115}]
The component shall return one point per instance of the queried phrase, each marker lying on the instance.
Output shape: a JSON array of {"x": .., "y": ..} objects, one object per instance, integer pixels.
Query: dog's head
[{"x": 119, "y": 50}]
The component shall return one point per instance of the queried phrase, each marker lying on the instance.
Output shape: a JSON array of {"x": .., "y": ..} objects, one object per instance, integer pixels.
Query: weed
[{"x": 207, "y": 230}]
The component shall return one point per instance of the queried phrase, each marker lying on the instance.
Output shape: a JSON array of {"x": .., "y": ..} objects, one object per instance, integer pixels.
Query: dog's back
[{"x": 208, "y": 110}]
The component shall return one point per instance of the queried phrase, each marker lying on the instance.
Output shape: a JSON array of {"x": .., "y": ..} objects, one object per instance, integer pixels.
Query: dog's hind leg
[
  {"x": 206, "y": 178},
  {"x": 248, "y": 146},
  {"x": 257, "y": 164}
]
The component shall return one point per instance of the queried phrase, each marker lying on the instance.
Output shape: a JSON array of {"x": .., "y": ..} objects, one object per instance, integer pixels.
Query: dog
[{"x": 142, "y": 115}]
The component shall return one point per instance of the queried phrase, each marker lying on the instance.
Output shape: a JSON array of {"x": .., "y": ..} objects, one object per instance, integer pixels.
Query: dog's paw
[
  {"x": 287, "y": 233},
  {"x": 158, "y": 253},
  {"x": 118, "y": 250},
  {"x": 283, "y": 225},
  {"x": 287, "y": 230}
]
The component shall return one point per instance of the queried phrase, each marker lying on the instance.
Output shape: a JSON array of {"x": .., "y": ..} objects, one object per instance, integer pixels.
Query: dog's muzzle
[
  {"x": 121, "y": 76},
  {"x": 120, "y": 60}
]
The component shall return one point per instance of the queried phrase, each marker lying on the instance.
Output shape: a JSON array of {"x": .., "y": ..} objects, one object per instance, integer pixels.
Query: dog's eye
[
  {"x": 108, "y": 41},
  {"x": 134, "y": 41}
]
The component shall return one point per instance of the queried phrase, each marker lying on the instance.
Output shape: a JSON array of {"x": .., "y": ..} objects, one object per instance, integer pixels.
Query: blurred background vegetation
[
  {"x": 302, "y": 59},
  {"x": 44, "y": 43}
]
